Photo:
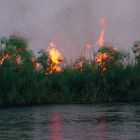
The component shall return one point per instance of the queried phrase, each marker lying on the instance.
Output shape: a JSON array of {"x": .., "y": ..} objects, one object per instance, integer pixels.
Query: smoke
[{"x": 70, "y": 23}]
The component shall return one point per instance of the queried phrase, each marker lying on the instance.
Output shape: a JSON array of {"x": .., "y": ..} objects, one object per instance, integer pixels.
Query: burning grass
[
  {"x": 26, "y": 79},
  {"x": 54, "y": 60}
]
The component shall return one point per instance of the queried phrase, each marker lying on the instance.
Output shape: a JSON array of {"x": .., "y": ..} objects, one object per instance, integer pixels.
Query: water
[{"x": 71, "y": 122}]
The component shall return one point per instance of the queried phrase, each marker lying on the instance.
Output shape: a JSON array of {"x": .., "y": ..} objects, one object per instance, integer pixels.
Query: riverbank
[
  {"x": 25, "y": 79},
  {"x": 71, "y": 87}
]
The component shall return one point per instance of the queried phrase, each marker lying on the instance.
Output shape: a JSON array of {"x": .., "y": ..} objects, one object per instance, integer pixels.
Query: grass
[{"x": 23, "y": 85}]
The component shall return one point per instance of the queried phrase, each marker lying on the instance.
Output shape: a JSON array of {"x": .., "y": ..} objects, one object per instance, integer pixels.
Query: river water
[{"x": 71, "y": 122}]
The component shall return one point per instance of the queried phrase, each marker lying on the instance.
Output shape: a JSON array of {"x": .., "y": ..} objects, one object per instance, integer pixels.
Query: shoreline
[{"x": 59, "y": 104}]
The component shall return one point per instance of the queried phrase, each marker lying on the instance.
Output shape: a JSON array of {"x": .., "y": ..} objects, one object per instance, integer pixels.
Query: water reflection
[
  {"x": 71, "y": 122},
  {"x": 55, "y": 126},
  {"x": 102, "y": 130}
]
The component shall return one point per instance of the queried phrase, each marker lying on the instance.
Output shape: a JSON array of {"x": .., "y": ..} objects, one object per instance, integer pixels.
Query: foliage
[{"x": 23, "y": 84}]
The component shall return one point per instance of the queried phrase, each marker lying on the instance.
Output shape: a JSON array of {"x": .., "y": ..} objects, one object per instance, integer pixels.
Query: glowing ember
[{"x": 55, "y": 58}]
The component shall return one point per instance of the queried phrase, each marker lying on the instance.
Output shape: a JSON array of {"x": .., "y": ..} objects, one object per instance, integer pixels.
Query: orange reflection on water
[
  {"x": 102, "y": 130},
  {"x": 55, "y": 127}
]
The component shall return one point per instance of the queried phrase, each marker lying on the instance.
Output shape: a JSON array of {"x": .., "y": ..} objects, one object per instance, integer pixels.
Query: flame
[
  {"x": 102, "y": 21},
  {"x": 4, "y": 57},
  {"x": 88, "y": 46},
  {"x": 101, "y": 39},
  {"x": 78, "y": 65},
  {"x": 18, "y": 59},
  {"x": 36, "y": 65},
  {"x": 106, "y": 57},
  {"x": 55, "y": 58},
  {"x": 102, "y": 59}
]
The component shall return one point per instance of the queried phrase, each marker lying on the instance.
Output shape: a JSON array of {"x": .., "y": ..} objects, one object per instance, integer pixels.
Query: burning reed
[{"x": 26, "y": 79}]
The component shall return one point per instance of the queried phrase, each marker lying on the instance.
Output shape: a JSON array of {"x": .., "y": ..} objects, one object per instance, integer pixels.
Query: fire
[
  {"x": 102, "y": 59},
  {"x": 88, "y": 46},
  {"x": 18, "y": 59},
  {"x": 107, "y": 57},
  {"x": 6, "y": 56},
  {"x": 36, "y": 65},
  {"x": 3, "y": 58},
  {"x": 78, "y": 65},
  {"x": 102, "y": 21},
  {"x": 55, "y": 58},
  {"x": 101, "y": 39}
]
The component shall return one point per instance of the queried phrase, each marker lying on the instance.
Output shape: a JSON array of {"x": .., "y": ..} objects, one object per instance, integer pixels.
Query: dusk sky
[{"x": 70, "y": 23}]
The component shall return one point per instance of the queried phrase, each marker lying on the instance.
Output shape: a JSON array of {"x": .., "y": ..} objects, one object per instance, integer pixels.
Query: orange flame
[
  {"x": 55, "y": 58},
  {"x": 3, "y": 58},
  {"x": 102, "y": 21},
  {"x": 36, "y": 65},
  {"x": 101, "y": 59},
  {"x": 88, "y": 46},
  {"x": 78, "y": 65},
  {"x": 101, "y": 39},
  {"x": 18, "y": 59}
]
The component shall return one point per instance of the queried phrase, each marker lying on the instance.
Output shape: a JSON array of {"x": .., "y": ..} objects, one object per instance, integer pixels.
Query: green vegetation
[{"x": 110, "y": 77}]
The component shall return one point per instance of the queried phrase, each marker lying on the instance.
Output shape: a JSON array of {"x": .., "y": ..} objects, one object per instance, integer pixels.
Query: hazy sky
[{"x": 70, "y": 23}]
